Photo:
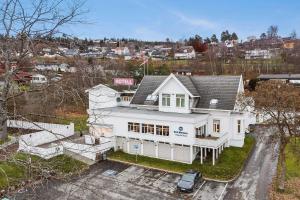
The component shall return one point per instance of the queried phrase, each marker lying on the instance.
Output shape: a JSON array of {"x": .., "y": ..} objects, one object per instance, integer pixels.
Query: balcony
[{"x": 211, "y": 141}]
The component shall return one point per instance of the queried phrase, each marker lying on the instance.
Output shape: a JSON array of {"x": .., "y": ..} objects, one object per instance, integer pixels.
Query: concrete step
[{"x": 79, "y": 157}]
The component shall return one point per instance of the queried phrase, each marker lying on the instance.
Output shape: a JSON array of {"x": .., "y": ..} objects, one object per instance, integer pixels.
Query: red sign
[{"x": 123, "y": 81}]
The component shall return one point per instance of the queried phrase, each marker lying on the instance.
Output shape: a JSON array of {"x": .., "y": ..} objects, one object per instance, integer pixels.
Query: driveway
[
  {"x": 112, "y": 180},
  {"x": 255, "y": 180}
]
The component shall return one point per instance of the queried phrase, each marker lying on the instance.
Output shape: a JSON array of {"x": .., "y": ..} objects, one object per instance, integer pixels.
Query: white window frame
[
  {"x": 201, "y": 131},
  {"x": 166, "y": 100},
  {"x": 148, "y": 128},
  {"x": 133, "y": 127},
  {"x": 180, "y": 100},
  {"x": 162, "y": 130},
  {"x": 216, "y": 126}
]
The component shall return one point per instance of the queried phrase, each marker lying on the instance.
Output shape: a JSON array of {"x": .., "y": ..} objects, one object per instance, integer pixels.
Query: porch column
[
  {"x": 205, "y": 152},
  {"x": 213, "y": 156},
  {"x": 172, "y": 151},
  {"x": 222, "y": 147},
  {"x": 156, "y": 149},
  {"x": 128, "y": 147},
  {"x": 216, "y": 153},
  {"x": 142, "y": 147},
  {"x": 191, "y": 154},
  {"x": 201, "y": 155}
]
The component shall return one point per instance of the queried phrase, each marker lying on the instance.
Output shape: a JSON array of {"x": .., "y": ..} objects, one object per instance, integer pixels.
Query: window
[
  {"x": 133, "y": 127},
  {"x": 148, "y": 128},
  {"x": 166, "y": 100},
  {"x": 201, "y": 131},
  {"x": 180, "y": 98},
  {"x": 216, "y": 126},
  {"x": 162, "y": 130},
  {"x": 239, "y": 126}
]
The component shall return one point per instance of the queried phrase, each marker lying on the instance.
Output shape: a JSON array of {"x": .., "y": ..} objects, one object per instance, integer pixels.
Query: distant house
[
  {"x": 38, "y": 79},
  {"x": 72, "y": 52},
  {"x": 287, "y": 78},
  {"x": 52, "y": 67},
  {"x": 261, "y": 54},
  {"x": 288, "y": 43},
  {"x": 186, "y": 52},
  {"x": 159, "y": 55},
  {"x": 121, "y": 51}
]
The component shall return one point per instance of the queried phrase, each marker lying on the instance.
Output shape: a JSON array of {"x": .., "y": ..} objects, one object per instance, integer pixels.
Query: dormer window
[
  {"x": 166, "y": 100},
  {"x": 180, "y": 100}
]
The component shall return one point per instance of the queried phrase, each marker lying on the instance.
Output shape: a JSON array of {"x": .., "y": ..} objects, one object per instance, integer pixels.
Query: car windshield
[{"x": 188, "y": 177}]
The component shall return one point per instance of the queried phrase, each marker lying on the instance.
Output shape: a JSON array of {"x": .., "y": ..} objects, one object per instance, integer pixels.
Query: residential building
[
  {"x": 63, "y": 67},
  {"x": 261, "y": 54},
  {"x": 38, "y": 79},
  {"x": 121, "y": 51},
  {"x": 287, "y": 78},
  {"x": 172, "y": 117},
  {"x": 186, "y": 52}
]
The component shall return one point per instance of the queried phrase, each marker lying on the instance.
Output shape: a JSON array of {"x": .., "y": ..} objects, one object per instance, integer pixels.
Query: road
[{"x": 255, "y": 180}]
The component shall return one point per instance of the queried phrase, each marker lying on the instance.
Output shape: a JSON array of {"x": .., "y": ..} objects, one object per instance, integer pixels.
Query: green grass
[
  {"x": 8, "y": 139},
  {"x": 80, "y": 122},
  {"x": 227, "y": 166},
  {"x": 13, "y": 170},
  {"x": 293, "y": 158}
]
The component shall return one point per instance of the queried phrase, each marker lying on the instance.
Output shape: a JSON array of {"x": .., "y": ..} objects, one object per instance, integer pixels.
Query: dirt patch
[{"x": 292, "y": 191}]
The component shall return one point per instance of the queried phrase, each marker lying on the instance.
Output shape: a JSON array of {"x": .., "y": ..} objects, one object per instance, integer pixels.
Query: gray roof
[
  {"x": 278, "y": 76},
  {"x": 223, "y": 88}
]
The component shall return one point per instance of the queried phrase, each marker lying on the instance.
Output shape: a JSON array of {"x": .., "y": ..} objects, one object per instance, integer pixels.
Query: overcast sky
[{"x": 179, "y": 19}]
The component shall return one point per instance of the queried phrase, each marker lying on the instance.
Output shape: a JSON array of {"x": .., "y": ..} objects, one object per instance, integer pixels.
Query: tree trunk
[
  {"x": 3, "y": 129},
  {"x": 282, "y": 166}
]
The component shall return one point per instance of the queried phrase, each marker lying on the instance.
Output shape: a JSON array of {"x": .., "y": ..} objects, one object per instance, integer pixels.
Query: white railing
[
  {"x": 212, "y": 142},
  {"x": 89, "y": 151}
]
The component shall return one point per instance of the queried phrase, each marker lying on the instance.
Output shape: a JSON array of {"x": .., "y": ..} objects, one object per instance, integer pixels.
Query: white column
[
  {"x": 191, "y": 154},
  {"x": 213, "y": 156},
  {"x": 172, "y": 151},
  {"x": 201, "y": 155},
  {"x": 205, "y": 152},
  {"x": 222, "y": 147},
  {"x": 216, "y": 153},
  {"x": 142, "y": 147},
  {"x": 128, "y": 147},
  {"x": 156, "y": 149}
]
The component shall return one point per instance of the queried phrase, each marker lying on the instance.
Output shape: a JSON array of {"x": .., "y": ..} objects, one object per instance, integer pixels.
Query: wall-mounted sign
[
  {"x": 180, "y": 132},
  {"x": 124, "y": 81}
]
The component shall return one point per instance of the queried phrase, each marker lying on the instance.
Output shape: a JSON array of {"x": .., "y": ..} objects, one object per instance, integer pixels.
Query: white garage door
[
  {"x": 149, "y": 148},
  {"x": 181, "y": 153},
  {"x": 164, "y": 151}
]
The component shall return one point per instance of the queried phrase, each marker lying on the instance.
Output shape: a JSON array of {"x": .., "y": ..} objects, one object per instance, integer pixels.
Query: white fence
[
  {"x": 40, "y": 126},
  {"x": 48, "y": 133},
  {"x": 89, "y": 151},
  {"x": 45, "y": 153}
]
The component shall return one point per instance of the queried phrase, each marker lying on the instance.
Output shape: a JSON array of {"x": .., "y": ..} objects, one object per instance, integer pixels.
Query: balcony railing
[{"x": 210, "y": 141}]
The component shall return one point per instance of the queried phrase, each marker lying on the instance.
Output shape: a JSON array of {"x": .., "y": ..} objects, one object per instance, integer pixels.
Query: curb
[
  {"x": 147, "y": 167},
  {"x": 168, "y": 171}
]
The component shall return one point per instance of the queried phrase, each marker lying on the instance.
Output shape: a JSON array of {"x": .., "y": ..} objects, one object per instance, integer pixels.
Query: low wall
[
  {"x": 45, "y": 153},
  {"x": 88, "y": 151}
]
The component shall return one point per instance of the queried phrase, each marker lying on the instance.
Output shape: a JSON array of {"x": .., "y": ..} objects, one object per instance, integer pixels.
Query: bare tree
[
  {"x": 23, "y": 24},
  {"x": 279, "y": 104}
]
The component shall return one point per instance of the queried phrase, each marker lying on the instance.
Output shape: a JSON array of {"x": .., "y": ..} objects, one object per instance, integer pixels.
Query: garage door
[
  {"x": 149, "y": 148},
  {"x": 181, "y": 153},
  {"x": 164, "y": 151}
]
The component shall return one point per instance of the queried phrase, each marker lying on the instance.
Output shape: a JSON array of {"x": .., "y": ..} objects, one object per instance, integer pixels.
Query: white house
[
  {"x": 38, "y": 79},
  {"x": 172, "y": 117},
  {"x": 186, "y": 52}
]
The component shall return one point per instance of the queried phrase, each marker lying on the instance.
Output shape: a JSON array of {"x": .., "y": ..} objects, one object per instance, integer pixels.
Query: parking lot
[{"x": 112, "y": 180}]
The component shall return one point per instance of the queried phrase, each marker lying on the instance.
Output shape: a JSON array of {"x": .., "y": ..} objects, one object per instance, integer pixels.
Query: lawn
[
  {"x": 80, "y": 122},
  {"x": 13, "y": 171},
  {"x": 227, "y": 167},
  {"x": 6, "y": 140},
  {"x": 292, "y": 158}
]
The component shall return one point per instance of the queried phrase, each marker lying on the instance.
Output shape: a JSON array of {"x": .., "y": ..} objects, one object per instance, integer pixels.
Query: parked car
[{"x": 189, "y": 181}]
